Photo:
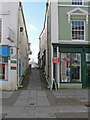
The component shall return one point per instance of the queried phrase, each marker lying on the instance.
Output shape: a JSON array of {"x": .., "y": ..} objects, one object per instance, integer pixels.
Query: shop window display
[
  {"x": 87, "y": 57},
  {"x": 76, "y": 67},
  {"x": 88, "y": 70},
  {"x": 65, "y": 67},
  {"x": 70, "y": 67},
  {"x": 2, "y": 71}
]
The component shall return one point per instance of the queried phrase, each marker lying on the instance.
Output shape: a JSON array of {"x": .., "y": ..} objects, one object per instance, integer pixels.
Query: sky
[{"x": 34, "y": 13}]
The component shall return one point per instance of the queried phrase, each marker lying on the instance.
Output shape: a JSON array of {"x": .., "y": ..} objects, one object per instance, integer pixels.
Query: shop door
[{"x": 88, "y": 74}]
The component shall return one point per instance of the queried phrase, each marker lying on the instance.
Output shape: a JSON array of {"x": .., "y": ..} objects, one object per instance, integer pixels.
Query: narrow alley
[{"x": 34, "y": 100}]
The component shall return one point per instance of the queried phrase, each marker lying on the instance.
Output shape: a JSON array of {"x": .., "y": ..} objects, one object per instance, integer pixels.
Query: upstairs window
[
  {"x": 78, "y": 30},
  {"x": 76, "y": 2},
  {"x": 0, "y": 29}
]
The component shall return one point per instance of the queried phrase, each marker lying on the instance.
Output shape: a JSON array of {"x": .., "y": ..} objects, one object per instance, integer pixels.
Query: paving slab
[
  {"x": 17, "y": 115},
  {"x": 41, "y": 115},
  {"x": 6, "y": 94},
  {"x": 36, "y": 101},
  {"x": 22, "y": 97},
  {"x": 25, "y": 92},
  {"x": 21, "y": 103}
]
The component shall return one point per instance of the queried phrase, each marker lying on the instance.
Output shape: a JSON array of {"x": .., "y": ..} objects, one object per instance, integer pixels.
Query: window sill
[{"x": 70, "y": 82}]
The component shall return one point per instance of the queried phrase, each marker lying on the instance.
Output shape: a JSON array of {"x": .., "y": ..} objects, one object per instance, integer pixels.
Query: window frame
[
  {"x": 84, "y": 32},
  {"x": 78, "y": 5}
]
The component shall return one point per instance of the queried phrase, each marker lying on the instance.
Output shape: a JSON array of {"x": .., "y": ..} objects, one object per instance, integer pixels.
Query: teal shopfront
[
  {"x": 4, "y": 57},
  {"x": 74, "y": 65}
]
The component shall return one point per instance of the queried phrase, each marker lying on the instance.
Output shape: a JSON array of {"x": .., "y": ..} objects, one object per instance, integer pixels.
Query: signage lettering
[
  {"x": 13, "y": 68},
  {"x": 56, "y": 60}
]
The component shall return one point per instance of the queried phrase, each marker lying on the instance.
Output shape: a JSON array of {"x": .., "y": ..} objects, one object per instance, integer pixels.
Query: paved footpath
[{"x": 34, "y": 100}]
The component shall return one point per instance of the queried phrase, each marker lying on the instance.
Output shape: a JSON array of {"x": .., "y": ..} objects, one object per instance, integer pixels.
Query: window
[
  {"x": 87, "y": 57},
  {"x": 78, "y": 30},
  {"x": 6, "y": 60},
  {"x": 2, "y": 71},
  {"x": 76, "y": 2},
  {"x": 88, "y": 70},
  {"x": 0, "y": 30},
  {"x": 0, "y": 58},
  {"x": 12, "y": 51},
  {"x": 70, "y": 67},
  {"x": 76, "y": 67},
  {"x": 65, "y": 67}
]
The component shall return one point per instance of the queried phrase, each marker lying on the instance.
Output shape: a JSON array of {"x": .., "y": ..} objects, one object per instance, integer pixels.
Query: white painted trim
[
  {"x": 51, "y": 67},
  {"x": 73, "y": 6},
  {"x": 54, "y": 21},
  {"x": 84, "y": 13},
  {"x": 58, "y": 71},
  {"x": 78, "y": 14},
  {"x": 77, "y": 9},
  {"x": 73, "y": 42}
]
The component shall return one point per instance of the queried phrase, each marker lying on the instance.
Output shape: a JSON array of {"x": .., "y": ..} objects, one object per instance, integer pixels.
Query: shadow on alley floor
[{"x": 34, "y": 100}]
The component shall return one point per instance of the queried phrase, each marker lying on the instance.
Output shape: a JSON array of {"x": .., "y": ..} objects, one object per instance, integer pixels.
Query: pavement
[{"x": 35, "y": 100}]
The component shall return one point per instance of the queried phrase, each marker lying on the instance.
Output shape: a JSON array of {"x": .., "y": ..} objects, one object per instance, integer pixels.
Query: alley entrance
[{"x": 35, "y": 100}]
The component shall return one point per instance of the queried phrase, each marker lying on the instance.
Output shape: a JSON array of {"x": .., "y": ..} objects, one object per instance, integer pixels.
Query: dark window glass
[{"x": 76, "y": 2}]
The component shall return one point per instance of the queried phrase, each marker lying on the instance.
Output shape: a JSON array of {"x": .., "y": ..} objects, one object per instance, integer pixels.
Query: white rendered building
[{"x": 14, "y": 45}]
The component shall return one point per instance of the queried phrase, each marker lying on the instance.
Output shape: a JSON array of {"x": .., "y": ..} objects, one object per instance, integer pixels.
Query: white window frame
[
  {"x": 84, "y": 32},
  {"x": 79, "y": 5}
]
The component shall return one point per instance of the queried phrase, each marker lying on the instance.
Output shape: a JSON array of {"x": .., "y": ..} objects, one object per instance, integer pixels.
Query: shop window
[
  {"x": 70, "y": 67},
  {"x": 12, "y": 51},
  {"x": 88, "y": 70},
  {"x": 6, "y": 60},
  {"x": 55, "y": 51},
  {"x": 0, "y": 29},
  {"x": 65, "y": 67},
  {"x": 0, "y": 58},
  {"x": 87, "y": 57},
  {"x": 76, "y": 2},
  {"x": 76, "y": 67},
  {"x": 78, "y": 30},
  {"x": 2, "y": 71}
]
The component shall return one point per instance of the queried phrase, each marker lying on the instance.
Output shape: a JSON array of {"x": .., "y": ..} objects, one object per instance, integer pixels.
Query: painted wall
[
  {"x": 9, "y": 18},
  {"x": 23, "y": 44},
  {"x": 45, "y": 42},
  {"x": 65, "y": 27},
  {"x": 54, "y": 21},
  {"x": 10, "y": 15}
]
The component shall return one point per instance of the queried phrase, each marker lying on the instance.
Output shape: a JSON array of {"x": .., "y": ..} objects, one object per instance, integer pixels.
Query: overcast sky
[{"x": 34, "y": 13}]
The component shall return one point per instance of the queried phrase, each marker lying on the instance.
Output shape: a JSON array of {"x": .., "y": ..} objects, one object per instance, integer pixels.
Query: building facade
[
  {"x": 14, "y": 45},
  {"x": 69, "y": 42}
]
